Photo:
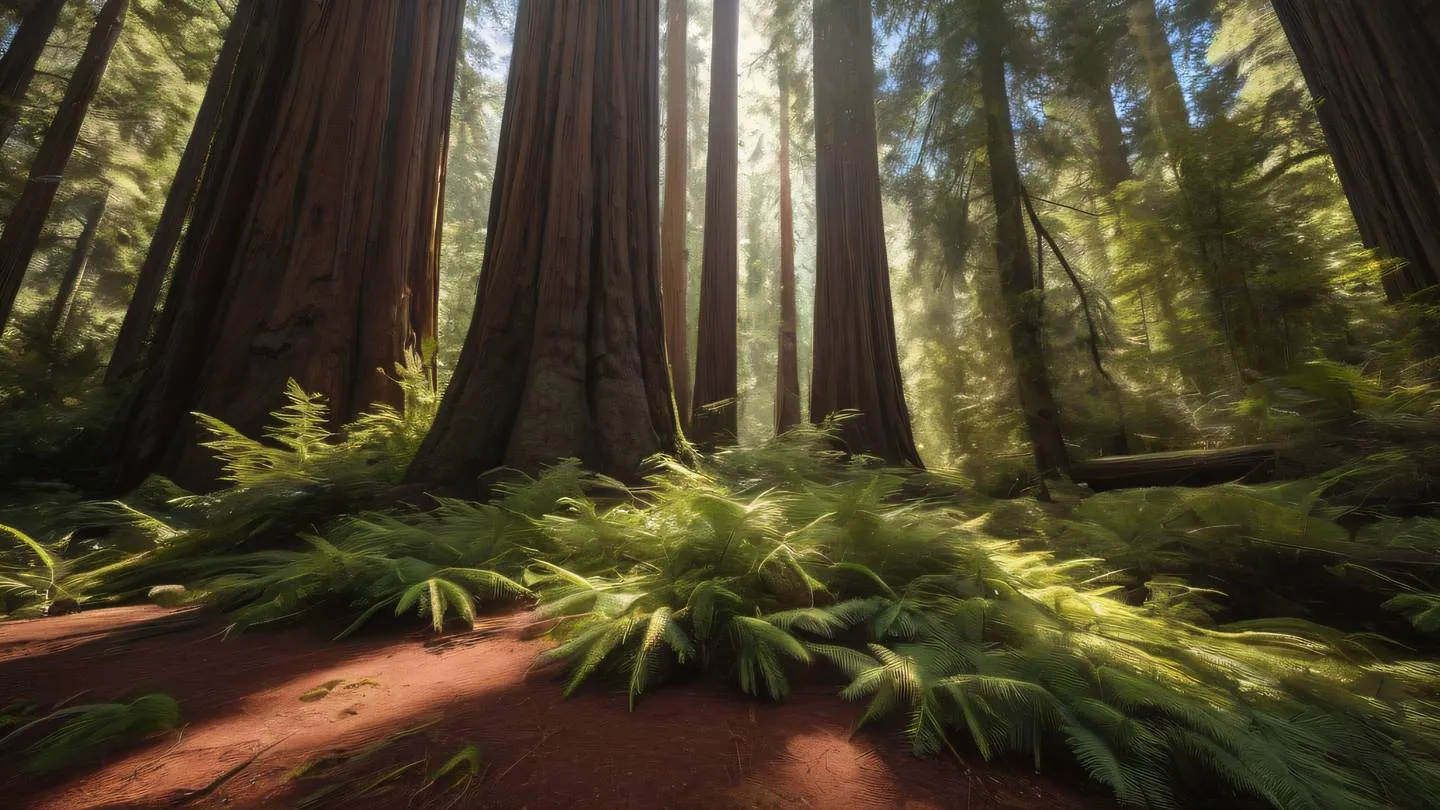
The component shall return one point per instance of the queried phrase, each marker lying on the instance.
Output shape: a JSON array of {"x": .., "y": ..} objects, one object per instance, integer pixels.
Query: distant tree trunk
[
  {"x": 1024, "y": 309},
  {"x": 312, "y": 253},
  {"x": 17, "y": 66},
  {"x": 27, "y": 218},
  {"x": 714, "y": 420},
  {"x": 856, "y": 363},
  {"x": 1374, "y": 68},
  {"x": 787, "y": 384},
  {"x": 1112, "y": 156},
  {"x": 674, "y": 270},
  {"x": 566, "y": 355},
  {"x": 64, "y": 302},
  {"x": 138, "y": 316},
  {"x": 1224, "y": 282}
]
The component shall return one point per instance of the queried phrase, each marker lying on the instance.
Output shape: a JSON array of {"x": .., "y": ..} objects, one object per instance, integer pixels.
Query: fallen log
[{"x": 1184, "y": 468}]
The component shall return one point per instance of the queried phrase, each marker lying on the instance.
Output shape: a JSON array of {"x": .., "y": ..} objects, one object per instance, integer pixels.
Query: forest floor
[{"x": 261, "y": 707}]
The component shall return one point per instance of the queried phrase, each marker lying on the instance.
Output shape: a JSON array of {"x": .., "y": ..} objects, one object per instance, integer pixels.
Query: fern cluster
[{"x": 936, "y": 605}]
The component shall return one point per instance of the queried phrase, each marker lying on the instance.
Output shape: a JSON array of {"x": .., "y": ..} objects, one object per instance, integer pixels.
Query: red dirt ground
[{"x": 692, "y": 745}]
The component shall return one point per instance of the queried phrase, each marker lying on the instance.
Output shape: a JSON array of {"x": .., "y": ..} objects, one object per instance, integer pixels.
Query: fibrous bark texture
[
  {"x": 1374, "y": 69},
  {"x": 787, "y": 384},
  {"x": 715, "y": 420},
  {"x": 856, "y": 363},
  {"x": 27, "y": 219},
  {"x": 1019, "y": 290},
  {"x": 313, "y": 248},
  {"x": 674, "y": 269},
  {"x": 130, "y": 343},
  {"x": 566, "y": 355},
  {"x": 17, "y": 66}
]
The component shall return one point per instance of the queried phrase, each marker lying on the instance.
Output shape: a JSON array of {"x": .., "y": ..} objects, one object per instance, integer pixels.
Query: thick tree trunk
[
  {"x": 787, "y": 384},
  {"x": 130, "y": 343},
  {"x": 674, "y": 270},
  {"x": 312, "y": 251},
  {"x": 17, "y": 66},
  {"x": 27, "y": 219},
  {"x": 64, "y": 302},
  {"x": 566, "y": 355},
  {"x": 856, "y": 363},
  {"x": 714, "y": 420},
  {"x": 1024, "y": 308},
  {"x": 1374, "y": 69}
]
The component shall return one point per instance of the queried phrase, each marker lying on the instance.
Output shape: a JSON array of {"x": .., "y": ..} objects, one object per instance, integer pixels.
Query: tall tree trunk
[
  {"x": 1374, "y": 68},
  {"x": 674, "y": 270},
  {"x": 714, "y": 420},
  {"x": 27, "y": 219},
  {"x": 566, "y": 354},
  {"x": 138, "y": 316},
  {"x": 312, "y": 252},
  {"x": 1113, "y": 156},
  {"x": 1205, "y": 218},
  {"x": 64, "y": 302},
  {"x": 856, "y": 363},
  {"x": 17, "y": 66},
  {"x": 787, "y": 383},
  {"x": 1024, "y": 308}
]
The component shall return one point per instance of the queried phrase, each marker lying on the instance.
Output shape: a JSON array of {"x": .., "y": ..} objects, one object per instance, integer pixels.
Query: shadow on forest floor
[{"x": 260, "y": 707}]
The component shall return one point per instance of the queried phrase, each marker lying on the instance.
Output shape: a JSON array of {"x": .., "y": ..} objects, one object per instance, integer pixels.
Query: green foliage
[{"x": 90, "y": 731}]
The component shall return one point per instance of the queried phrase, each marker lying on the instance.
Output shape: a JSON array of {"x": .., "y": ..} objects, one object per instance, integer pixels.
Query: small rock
[{"x": 62, "y": 607}]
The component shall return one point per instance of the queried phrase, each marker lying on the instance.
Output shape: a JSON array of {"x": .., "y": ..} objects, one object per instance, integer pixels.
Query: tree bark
[
  {"x": 674, "y": 271},
  {"x": 312, "y": 252},
  {"x": 856, "y": 363},
  {"x": 64, "y": 302},
  {"x": 1024, "y": 307},
  {"x": 566, "y": 355},
  {"x": 714, "y": 420},
  {"x": 1374, "y": 69},
  {"x": 1113, "y": 156},
  {"x": 130, "y": 343},
  {"x": 27, "y": 219},
  {"x": 787, "y": 384},
  {"x": 17, "y": 66}
]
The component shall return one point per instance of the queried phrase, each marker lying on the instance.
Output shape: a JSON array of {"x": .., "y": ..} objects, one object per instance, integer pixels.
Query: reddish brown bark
[
  {"x": 17, "y": 66},
  {"x": 715, "y": 418},
  {"x": 312, "y": 251},
  {"x": 130, "y": 343},
  {"x": 856, "y": 364},
  {"x": 1019, "y": 290},
  {"x": 64, "y": 302},
  {"x": 566, "y": 355},
  {"x": 1374, "y": 69},
  {"x": 674, "y": 272},
  {"x": 787, "y": 383},
  {"x": 27, "y": 219}
]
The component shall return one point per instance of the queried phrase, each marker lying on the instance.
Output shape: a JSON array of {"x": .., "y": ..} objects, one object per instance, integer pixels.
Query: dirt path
[{"x": 694, "y": 745}]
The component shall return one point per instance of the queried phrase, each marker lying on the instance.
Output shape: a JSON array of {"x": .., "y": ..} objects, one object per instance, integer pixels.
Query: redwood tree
[
  {"x": 674, "y": 270},
  {"x": 1374, "y": 69},
  {"x": 566, "y": 355},
  {"x": 787, "y": 382},
  {"x": 17, "y": 66},
  {"x": 714, "y": 420},
  {"x": 27, "y": 218},
  {"x": 166, "y": 236},
  {"x": 856, "y": 363},
  {"x": 312, "y": 250},
  {"x": 1019, "y": 291},
  {"x": 64, "y": 302}
]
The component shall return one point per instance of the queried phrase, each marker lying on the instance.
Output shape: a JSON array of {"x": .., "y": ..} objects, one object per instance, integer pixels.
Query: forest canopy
[{"x": 1061, "y": 375}]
